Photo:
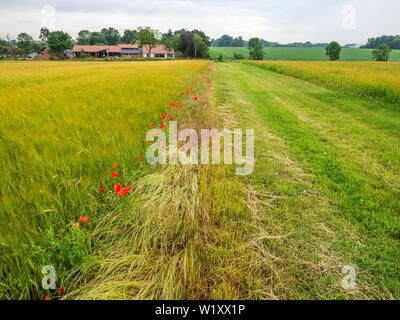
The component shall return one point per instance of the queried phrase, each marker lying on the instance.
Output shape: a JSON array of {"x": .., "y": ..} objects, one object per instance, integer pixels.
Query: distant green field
[{"x": 305, "y": 54}]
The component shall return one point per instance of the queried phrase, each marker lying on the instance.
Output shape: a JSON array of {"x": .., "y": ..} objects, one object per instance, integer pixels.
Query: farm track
[{"x": 342, "y": 165}]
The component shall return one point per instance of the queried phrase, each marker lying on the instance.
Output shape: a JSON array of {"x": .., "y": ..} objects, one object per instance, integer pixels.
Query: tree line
[
  {"x": 228, "y": 41},
  {"x": 191, "y": 44},
  {"x": 392, "y": 41}
]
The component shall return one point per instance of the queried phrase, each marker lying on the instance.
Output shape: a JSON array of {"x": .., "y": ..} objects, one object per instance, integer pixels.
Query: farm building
[
  {"x": 158, "y": 52},
  {"x": 123, "y": 51}
]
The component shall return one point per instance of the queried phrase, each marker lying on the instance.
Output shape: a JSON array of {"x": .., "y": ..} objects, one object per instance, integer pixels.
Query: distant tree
[
  {"x": 197, "y": 43},
  {"x": 96, "y": 38},
  {"x": 224, "y": 41},
  {"x": 59, "y": 41},
  {"x": 11, "y": 47},
  {"x": 129, "y": 36},
  {"x": 44, "y": 34},
  {"x": 83, "y": 37},
  {"x": 255, "y": 49},
  {"x": 176, "y": 42},
  {"x": 148, "y": 37},
  {"x": 333, "y": 51},
  {"x": 111, "y": 36},
  {"x": 3, "y": 48},
  {"x": 238, "y": 42},
  {"x": 25, "y": 43},
  {"x": 381, "y": 53}
]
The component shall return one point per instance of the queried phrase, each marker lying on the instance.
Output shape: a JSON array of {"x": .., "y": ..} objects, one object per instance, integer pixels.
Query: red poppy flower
[
  {"x": 84, "y": 219},
  {"x": 163, "y": 116},
  {"x": 162, "y": 126},
  {"x": 140, "y": 158},
  {"x": 77, "y": 225},
  {"x": 46, "y": 298},
  {"x": 116, "y": 166},
  {"x": 114, "y": 174},
  {"x": 195, "y": 98},
  {"x": 115, "y": 214},
  {"x": 117, "y": 187},
  {"x": 151, "y": 125},
  {"x": 171, "y": 115},
  {"x": 101, "y": 189},
  {"x": 59, "y": 290}
]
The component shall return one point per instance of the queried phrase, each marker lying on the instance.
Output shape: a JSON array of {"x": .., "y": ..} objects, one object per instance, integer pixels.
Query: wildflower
[
  {"x": 46, "y": 298},
  {"x": 116, "y": 166},
  {"x": 77, "y": 225},
  {"x": 195, "y": 98},
  {"x": 115, "y": 214},
  {"x": 117, "y": 187},
  {"x": 114, "y": 174},
  {"x": 140, "y": 157},
  {"x": 101, "y": 189},
  {"x": 59, "y": 290},
  {"x": 115, "y": 228},
  {"x": 163, "y": 116},
  {"x": 171, "y": 115},
  {"x": 84, "y": 219},
  {"x": 151, "y": 125},
  {"x": 162, "y": 126}
]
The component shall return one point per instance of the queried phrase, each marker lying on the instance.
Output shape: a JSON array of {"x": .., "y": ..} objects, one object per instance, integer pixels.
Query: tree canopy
[
  {"x": 59, "y": 41},
  {"x": 333, "y": 51},
  {"x": 381, "y": 53},
  {"x": 25, "y": 43},
  {"x": 255, "y": 49}
]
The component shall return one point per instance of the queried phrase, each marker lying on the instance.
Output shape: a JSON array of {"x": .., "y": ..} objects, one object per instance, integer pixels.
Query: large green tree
[
  {"x": 59, "y": 41},
  {"x": 111, "y": 36},
  {"x": 83, "y": 37},
  {"x": 148, "y": 37},
  {"x": 381, "y": 53},
  {"x": 25, "y": 43},
  {"x": 129, "y": 36},
  {"x": 255, "y": 49},
  {"x": 96, "y": 38},
  {"x": 44, "y": 34},
  {"x": 333, "y": 51}
]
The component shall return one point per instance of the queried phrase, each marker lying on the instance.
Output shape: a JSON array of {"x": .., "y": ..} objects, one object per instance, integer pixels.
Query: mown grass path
[{"x": 330, "y": 163}]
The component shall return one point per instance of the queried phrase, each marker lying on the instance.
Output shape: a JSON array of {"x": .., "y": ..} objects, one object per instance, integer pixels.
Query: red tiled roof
[
  {"x": 157, "y": 49},
  {"x": 114, "y": 49}
]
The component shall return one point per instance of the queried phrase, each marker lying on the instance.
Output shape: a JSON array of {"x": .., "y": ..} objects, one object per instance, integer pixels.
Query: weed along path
[{"x": 324, "y": 193}]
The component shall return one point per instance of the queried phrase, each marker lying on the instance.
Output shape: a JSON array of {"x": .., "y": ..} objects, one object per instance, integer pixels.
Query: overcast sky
[{"x": 274, "y": 20}]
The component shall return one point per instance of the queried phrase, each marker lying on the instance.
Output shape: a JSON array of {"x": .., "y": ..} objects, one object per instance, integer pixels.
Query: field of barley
[
  {"x": 77, "y": 193},
  {"x": 369, "y": 79},
  {"x": 64, "y": 126}
]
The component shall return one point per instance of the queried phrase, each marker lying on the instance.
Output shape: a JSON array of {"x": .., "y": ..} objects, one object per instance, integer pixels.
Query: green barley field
[
  {"x": 324, "y": 193},
  {"x": 301, "y": 54}
]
